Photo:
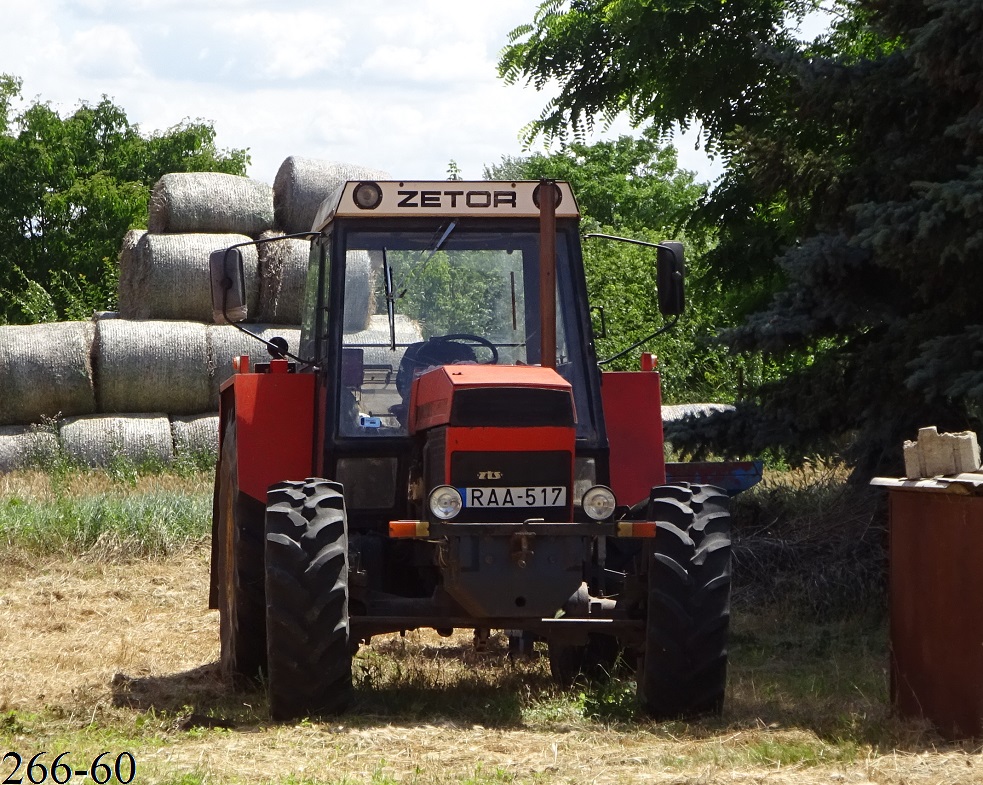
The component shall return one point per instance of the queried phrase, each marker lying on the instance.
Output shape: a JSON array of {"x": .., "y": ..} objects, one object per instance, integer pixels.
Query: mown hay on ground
[
  {"x": 102, "y": 438},
  {"x": 152, "y": 366},
  {"x": 195, "y": 435},
  {"x": 301, "y": 184},
  {"x": 283, "y": 277},
  {"x": 166, "y": 276},
  {"x": 45, "y": 370},
  {"x": 190, "y": 202},
  {"x": 23, "y": 446}
]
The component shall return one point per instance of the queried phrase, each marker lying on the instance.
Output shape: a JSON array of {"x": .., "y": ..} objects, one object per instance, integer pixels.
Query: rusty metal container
[{"x": 936, "y": 601}]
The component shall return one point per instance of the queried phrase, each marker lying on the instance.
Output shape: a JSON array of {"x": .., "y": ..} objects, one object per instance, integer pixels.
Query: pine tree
[{"x": 879, "y": 156}]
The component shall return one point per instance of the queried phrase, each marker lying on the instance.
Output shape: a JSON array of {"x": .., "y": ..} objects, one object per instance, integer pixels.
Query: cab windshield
[{"x": 416, "y": 299}]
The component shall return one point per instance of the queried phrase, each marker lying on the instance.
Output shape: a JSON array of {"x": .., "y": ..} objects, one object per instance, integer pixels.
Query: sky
[{"x": 404, "y": 86}]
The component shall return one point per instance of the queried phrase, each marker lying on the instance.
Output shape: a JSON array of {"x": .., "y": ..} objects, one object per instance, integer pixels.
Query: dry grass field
[{"x": 105, "y": 648}]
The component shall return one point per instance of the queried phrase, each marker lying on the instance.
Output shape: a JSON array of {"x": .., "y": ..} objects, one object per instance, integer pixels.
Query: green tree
[
  {"x": 629, "y": 182},
  {"x": 660, "y": 61},
  {"x": 632, "y": 186},
  {"x": 70, "y": 187},
  {"x": 846, "y": 216}
]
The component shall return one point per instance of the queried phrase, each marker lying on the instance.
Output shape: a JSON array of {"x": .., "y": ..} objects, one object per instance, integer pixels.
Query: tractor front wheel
[
  {"x": 307, "y": 629},
  {"x": 684, "y": 662}
]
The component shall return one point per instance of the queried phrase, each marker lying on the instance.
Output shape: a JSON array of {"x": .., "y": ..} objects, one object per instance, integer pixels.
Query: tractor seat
[{"x": 427, "y": 354}]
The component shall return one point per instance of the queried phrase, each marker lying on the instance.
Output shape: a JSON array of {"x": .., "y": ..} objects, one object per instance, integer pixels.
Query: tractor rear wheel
[
  {"x": 239, "y": 552},
  {"x": 307, "y": 629},
  {"x": 684, "y": 663}
]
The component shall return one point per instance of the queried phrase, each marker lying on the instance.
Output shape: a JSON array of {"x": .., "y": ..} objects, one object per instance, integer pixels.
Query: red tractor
[{"x": 479, "y": 470}]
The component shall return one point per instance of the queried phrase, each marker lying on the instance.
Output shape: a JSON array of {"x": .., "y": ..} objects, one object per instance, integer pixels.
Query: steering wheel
[{"x": 474, "y": 339}]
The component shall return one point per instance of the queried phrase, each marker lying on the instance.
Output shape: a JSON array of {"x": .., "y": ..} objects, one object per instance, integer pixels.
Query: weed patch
[{"x": 811, "y": 544}]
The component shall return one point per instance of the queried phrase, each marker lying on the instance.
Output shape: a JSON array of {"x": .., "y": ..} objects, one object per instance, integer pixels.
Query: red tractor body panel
[
  {"x": 434, "y": 390},
  {"x": 274, "y": 414},
  {"x": 512, "y": 449},
  {"x": 633, "y": 416}
]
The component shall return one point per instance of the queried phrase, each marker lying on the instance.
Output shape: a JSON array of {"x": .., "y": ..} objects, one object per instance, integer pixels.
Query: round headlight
[
  {"x": 599, "y": 503},
  {"x": 445, "y": 502},
  {"x": 367, "y": 195}
]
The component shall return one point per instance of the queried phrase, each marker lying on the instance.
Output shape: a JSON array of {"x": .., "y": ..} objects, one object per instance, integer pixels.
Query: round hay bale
[
  {"x": 167, "y": 276},
  {"x": 26, "y": 446},
  {"x": 225, "y": 342},
  {"x": 102, "y": 438},
  {"x": 359, "y": 291},
  {"x": 377, "y": 333},
  {"x": 151, "y": 366},
  {"x": 130, "y": 264},
  {"x": 188, "y": 202},
  {"x": 197, "y": 435},
  {"x": 301, "y": 184},
  {"x": 45, "y": 371},
  {"x": 283, "y": 279}
]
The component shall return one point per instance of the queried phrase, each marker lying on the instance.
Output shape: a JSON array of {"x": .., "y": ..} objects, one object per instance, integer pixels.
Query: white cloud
[
  {"x": 105, "y": 52},
  {"x": 287, "y": 45},
  {"x": 398, "y": 85}
]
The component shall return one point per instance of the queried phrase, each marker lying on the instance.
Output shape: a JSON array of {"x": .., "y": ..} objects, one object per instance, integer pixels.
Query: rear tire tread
[
  {"x": 308, "y": 651},
  {"x": 684, "y": 665}
]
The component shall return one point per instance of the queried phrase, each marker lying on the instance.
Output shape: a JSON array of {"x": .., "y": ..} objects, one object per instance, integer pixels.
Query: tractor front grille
[{"x": 512, "y": 486}]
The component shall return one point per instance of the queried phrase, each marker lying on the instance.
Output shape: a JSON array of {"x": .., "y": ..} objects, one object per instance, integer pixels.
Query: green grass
[
  {"x": 135, "y": 524},
  {"x": 121, "y": 511}
]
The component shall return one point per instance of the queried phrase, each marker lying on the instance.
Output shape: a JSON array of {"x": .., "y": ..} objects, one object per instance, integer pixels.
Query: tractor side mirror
[
  {"x": 670, "y": 272},
  {"x": 228, "y": 285}
]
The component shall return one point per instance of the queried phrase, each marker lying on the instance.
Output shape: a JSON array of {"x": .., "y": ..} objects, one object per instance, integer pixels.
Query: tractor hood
[{"x": 472, "y": 395}]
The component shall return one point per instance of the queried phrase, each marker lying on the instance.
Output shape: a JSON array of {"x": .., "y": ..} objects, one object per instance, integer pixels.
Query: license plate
[{"x": 535, "y": 496}]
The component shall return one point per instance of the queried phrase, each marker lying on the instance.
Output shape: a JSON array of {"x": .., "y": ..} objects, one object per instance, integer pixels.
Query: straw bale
[
  {"x": 151, "y": 366},
  {"x": 683, "y": 410},
  {"x": 195, "y": 435},
  {"x": 23, "y": 446},
  {"x": 359, "y": 290},
  {"x": 283, "y": 279},
  {"x": 100, "y": 438},
  {"x": 301, "y": 184},
  {"x": 129, "y": 257},
  {"x": 225, "y": 342},
  {"x": 45, "y": 370},
  {"x": 186, "y": 202},
  {"x": 167, "y": 277}
]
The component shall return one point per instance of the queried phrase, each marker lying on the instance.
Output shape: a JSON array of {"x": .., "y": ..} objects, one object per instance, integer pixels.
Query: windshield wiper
[
  {"x": 387, "y": 274},
  {"x": 419, "y": 268}
]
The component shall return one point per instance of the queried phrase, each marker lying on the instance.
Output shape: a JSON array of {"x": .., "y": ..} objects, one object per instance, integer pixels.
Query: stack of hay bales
[{"x": 144, "y": 383}]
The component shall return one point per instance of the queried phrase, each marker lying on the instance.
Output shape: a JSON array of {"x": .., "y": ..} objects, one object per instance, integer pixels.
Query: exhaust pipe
[{"x": 547, "y": 272}]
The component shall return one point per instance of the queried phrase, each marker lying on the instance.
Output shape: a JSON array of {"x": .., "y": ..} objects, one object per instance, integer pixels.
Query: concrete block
[
  {"x": 912, "y": 460},
  {"x": 935, "y": 454}
]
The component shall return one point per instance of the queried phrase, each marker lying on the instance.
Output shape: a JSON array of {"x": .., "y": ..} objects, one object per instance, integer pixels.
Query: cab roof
[{"x": 440, "y": 198}]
